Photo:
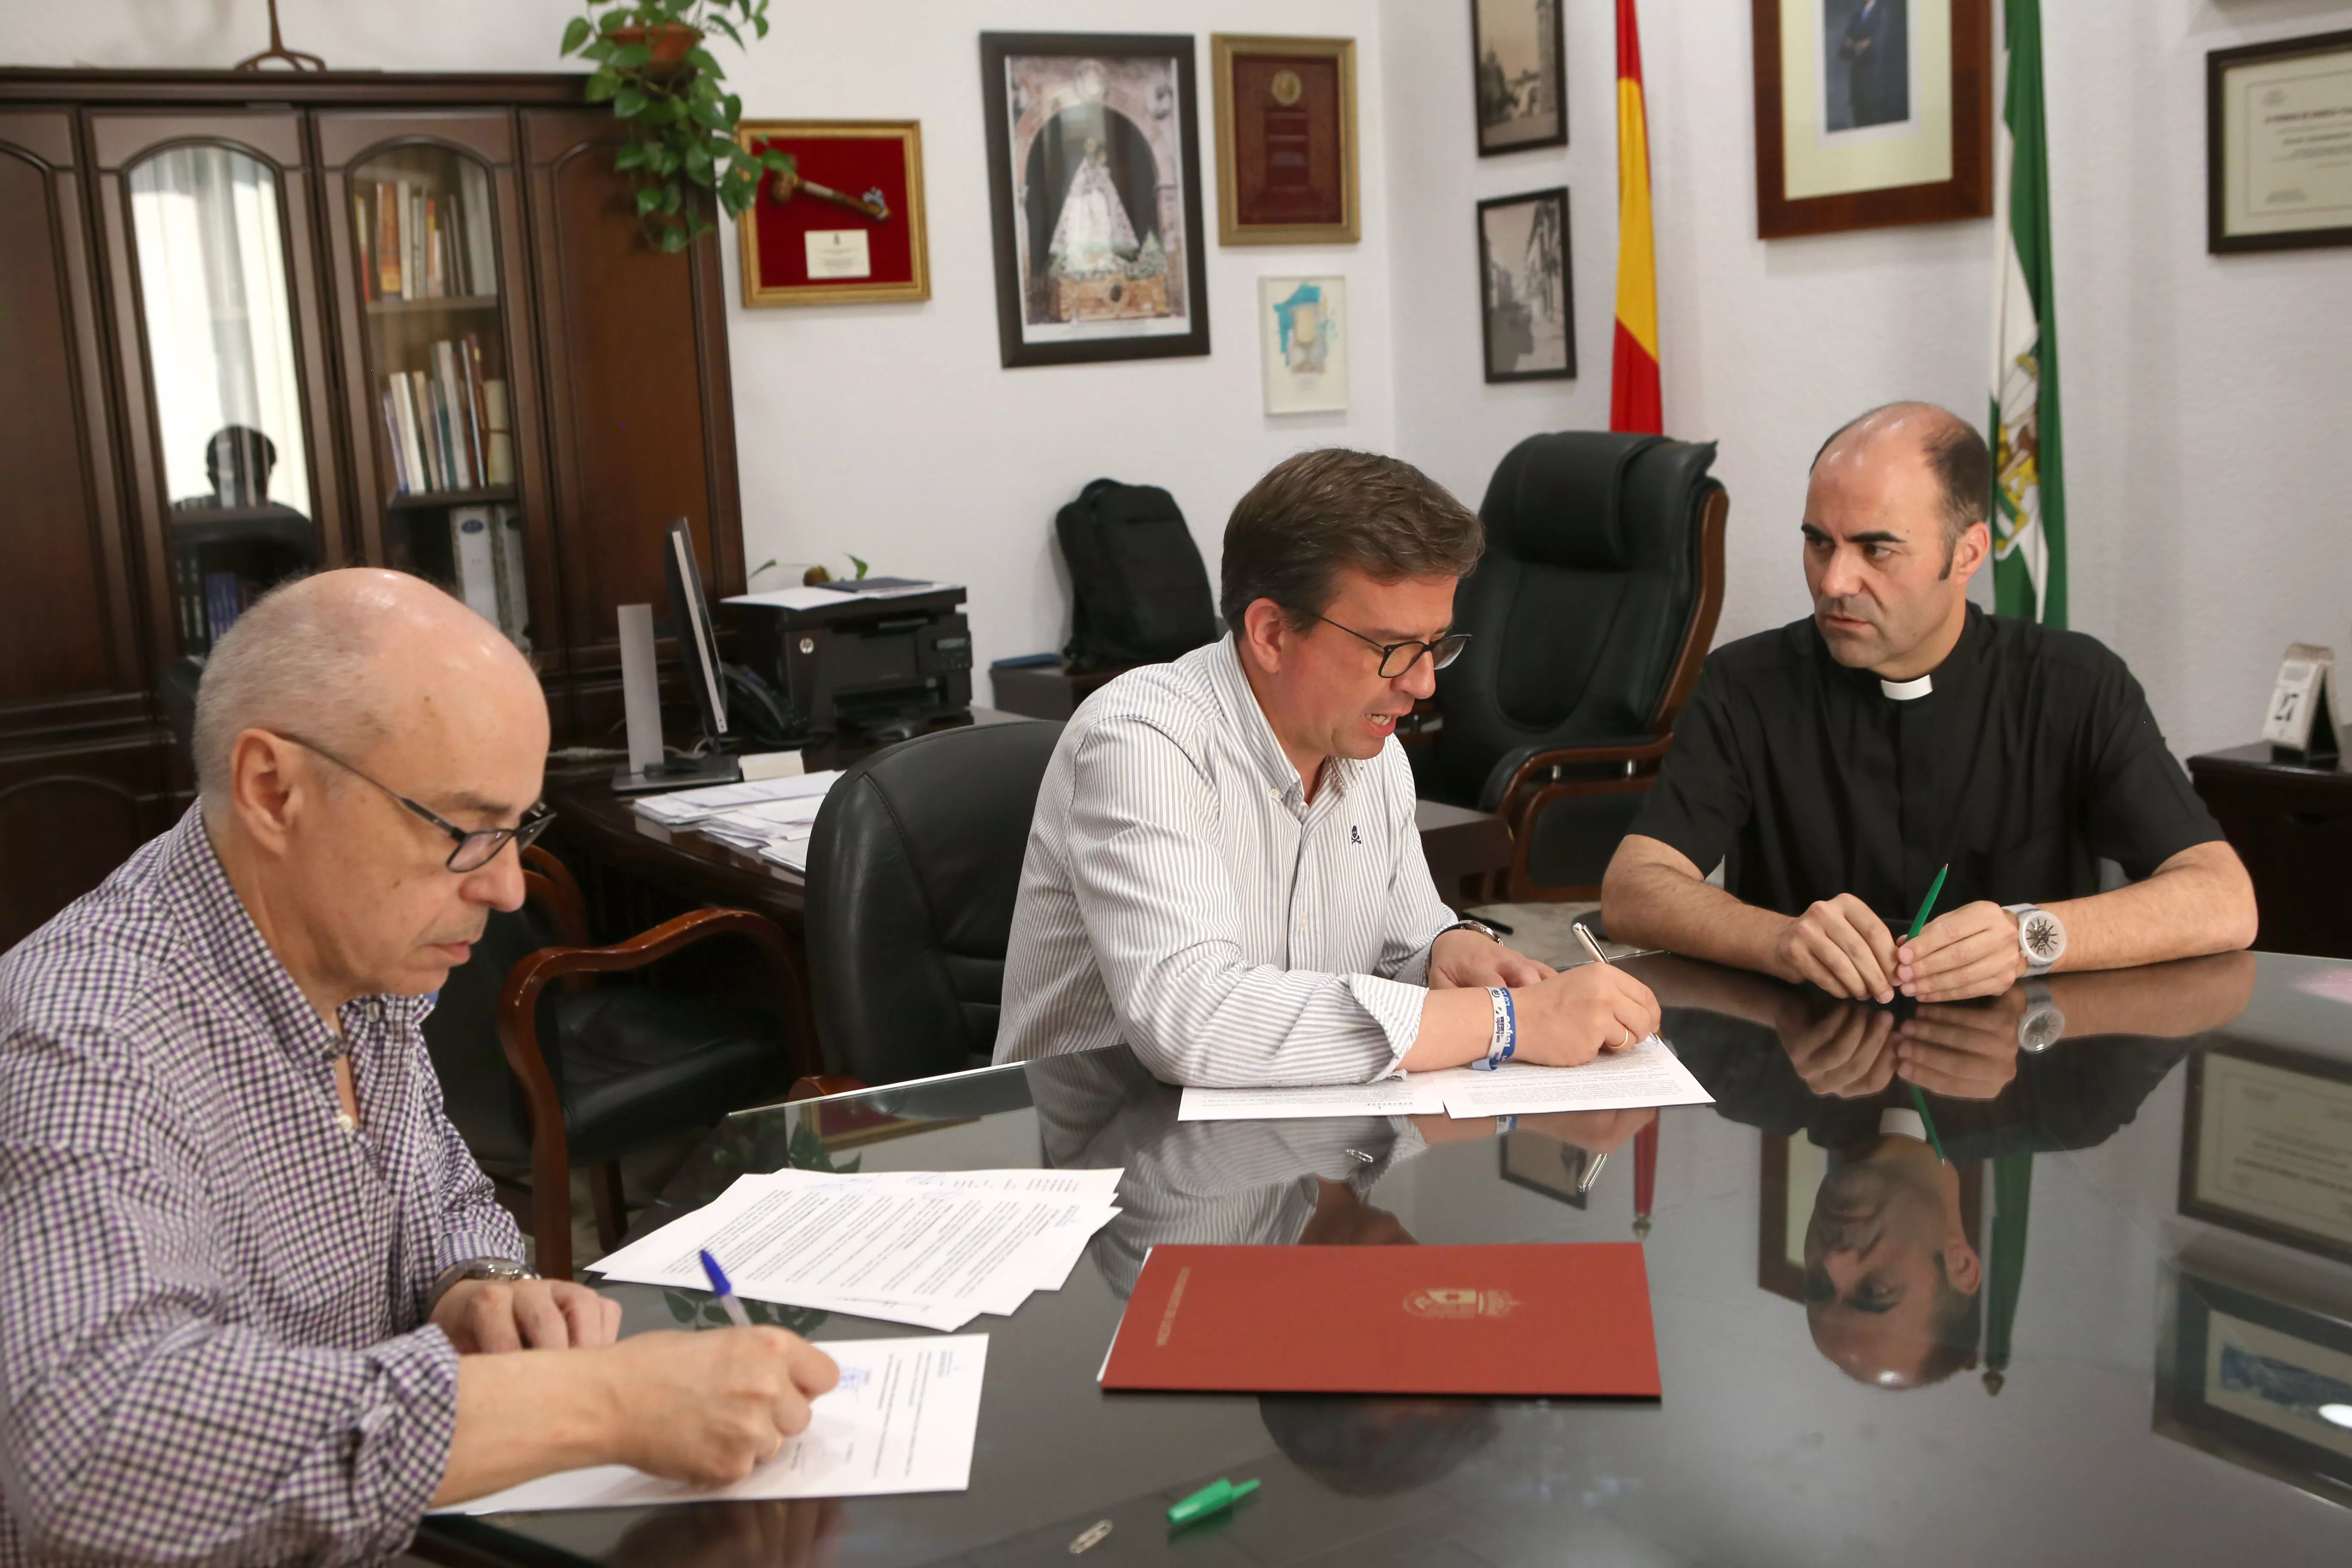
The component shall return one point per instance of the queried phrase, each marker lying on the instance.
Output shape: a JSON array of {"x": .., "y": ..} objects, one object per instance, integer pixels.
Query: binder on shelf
[
  {"x": 474, "y": 557},
  {"x": 514, "y": 593},
  {"x": 481, "y": 261}
]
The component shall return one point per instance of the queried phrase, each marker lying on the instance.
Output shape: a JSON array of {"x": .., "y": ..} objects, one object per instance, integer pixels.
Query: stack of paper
[
  {"x": 771, "y": 818},
  {"x": 931, "y": 1248},
  {"x": 1649, "y": 1074}
]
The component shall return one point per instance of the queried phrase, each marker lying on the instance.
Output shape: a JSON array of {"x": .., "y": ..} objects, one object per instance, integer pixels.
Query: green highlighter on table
[{"x": 1214, "y": 1498}]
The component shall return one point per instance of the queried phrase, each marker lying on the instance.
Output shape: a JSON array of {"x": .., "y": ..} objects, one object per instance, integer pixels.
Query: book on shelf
[
  {"x": 498, "y": 434},
  {"x": 419, "y": 241},
  {"x": 449, "y": 423},
  {"x": 514, "y": 596}
]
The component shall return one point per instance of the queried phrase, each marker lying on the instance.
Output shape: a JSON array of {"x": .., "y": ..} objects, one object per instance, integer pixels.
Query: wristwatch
[
  {"x": 2041, "y": 1025},
  {"x": 2041, "y": 936},
  {"x": 475, "y": 1268},
  {"x": 1466, "y": 923}
]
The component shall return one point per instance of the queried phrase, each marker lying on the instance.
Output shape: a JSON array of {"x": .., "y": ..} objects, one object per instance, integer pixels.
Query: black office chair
[
  {"x": 1590, "y": 615},
  {"x": 913, "y": 866},
  {"x": 542, "y": 1068}
]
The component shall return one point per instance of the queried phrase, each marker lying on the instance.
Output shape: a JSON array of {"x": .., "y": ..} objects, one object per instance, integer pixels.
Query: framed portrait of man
[
  {"x": 1870, "y": 114},
  {"x": 1520, "y": 73},
  {"x": 1094, "y": 188}
]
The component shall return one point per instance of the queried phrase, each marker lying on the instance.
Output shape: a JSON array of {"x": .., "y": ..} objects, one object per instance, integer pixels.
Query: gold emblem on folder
[{"x": 1461, "y": 1302}]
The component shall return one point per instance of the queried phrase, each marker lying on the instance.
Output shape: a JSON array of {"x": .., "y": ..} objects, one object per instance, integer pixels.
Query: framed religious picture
[
  {"x": 1094, "y": 181},
  {"x": 1286, "y": 140},
  {"x": 1302, "y": 325},
  {"x": 2266, "y": 1145},
  {"x": 2278, "y": 144},
  {"x": 2253, "y": 1376},
  {"x": 1517, "y": 55},
  {"x": 1524, "y": 298},
  {"x": 845, "y": 224},
  {"x": 1870, "y": 114}
]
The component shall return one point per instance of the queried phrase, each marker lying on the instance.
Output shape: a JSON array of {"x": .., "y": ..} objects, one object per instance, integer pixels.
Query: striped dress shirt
[
  {"x": 1182, "y": 894},
  {"x": 213, "y": 1293}
]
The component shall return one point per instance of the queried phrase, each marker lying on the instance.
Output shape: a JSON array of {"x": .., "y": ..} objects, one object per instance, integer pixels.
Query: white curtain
[{"x": 220, "y": 339}]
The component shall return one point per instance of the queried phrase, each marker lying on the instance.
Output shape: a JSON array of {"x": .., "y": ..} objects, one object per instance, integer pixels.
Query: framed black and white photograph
[
  {"x": 1553, "y": 1166},
  {"x": 1095, "y": 187},
  {"x": 1525, "y": 299},
  {"x": 1521, "y": 69},
  {"x": 2256, "y": 1379},
  {"x": 2278, "y": 144}
]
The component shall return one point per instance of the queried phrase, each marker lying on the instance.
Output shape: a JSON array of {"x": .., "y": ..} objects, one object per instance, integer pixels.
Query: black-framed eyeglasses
[
  {"x": 1397, "y": 657},
  {"x": 477, "y": 846}
]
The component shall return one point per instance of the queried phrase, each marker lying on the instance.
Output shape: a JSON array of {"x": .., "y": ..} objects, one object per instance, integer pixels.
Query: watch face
[{"x": 2043, "y": 937}]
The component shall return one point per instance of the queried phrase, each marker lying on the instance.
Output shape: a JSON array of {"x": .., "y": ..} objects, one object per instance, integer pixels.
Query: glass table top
[{"x": 2113, "y": 1326}]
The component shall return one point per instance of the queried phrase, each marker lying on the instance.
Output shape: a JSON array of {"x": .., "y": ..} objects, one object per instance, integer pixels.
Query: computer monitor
[{"x": 698, "y": 645}]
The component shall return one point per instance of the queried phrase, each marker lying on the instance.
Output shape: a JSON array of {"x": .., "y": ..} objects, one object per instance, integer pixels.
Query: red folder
[{"x": 1559, "y": 1320}]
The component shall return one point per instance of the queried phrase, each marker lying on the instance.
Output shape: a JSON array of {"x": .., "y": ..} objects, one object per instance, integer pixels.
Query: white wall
[{"x": 2206, "y": 398}]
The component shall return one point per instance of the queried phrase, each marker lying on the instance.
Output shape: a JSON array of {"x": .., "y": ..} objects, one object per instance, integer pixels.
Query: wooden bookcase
[{"x": 126, "y": 525}]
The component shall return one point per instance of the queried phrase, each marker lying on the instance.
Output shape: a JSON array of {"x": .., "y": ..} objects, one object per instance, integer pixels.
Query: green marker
[
  {"x": 1217, "y": 1495},
  {"x": 1920, "y": 921},
  {"x": 1928, "y": 1120}
]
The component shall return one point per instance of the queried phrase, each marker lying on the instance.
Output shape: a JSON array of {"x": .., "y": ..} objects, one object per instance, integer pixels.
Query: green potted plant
[{"x": 665, "y": 87}]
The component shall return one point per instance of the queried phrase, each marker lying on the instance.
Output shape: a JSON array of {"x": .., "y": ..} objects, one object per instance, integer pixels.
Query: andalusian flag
[
  {"x": 1634, "y": 401},
  {"x": 2029, "y": 553}
]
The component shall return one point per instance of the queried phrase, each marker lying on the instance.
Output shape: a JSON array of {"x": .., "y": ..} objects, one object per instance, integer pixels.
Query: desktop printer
[{"x": 872, "y": 660}]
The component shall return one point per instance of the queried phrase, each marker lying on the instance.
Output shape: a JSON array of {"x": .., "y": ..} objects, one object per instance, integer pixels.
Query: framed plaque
[
  {"x": 1286, "y": 140},
  {"x": 846, "y": 226},
  {"x": 1094, "y": 185},
  {"x": 1870, "y": 114},
  {"x": 2266, "y": 1146},
  {"x": 2278, "y": 144}
]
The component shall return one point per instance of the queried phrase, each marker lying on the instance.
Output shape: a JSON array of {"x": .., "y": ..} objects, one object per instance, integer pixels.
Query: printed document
[
  {"x": 903, "y": 1419},
  {"x": 1648, "y": 1074}
]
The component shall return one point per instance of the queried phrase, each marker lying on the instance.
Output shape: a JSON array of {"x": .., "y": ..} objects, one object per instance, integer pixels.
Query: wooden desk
[{"x": 2291, "y": 823}]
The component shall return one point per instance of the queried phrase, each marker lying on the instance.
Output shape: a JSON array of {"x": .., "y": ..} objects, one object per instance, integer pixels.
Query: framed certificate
[
  {"x": 2266, "y": 1146},
  {"x": 2278, "y": 144},
  {"x": 2254, "y": 1379},
  {"x": 1871, "y": 112}
]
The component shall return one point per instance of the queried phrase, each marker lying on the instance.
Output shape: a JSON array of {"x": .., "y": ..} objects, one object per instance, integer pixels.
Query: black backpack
[{"x": 1142, "y": 594}]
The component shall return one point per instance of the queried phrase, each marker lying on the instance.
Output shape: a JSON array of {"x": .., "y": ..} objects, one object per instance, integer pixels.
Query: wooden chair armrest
[
  {"x": 819, "y": 1086},
  {"x": 550, "y": 883},
  {"x": 551, "y": 1173},
  {"x": 1519, "y": 796}
]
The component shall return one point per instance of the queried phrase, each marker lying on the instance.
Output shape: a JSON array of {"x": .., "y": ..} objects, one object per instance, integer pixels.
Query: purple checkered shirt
[{"x": 213, "y": 1296}]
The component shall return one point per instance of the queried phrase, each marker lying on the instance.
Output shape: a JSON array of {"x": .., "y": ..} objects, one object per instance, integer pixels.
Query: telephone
[{"x": 755, "y": 710}]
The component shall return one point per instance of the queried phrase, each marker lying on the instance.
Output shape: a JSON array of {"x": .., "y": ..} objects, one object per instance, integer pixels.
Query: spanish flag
[{"x": 1633, "y": 399}]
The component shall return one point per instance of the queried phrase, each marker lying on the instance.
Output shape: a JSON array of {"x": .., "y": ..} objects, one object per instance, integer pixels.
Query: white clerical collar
[
  {"x": 1896, "y": 1121},
  {"x": 1905, "y": 691}
]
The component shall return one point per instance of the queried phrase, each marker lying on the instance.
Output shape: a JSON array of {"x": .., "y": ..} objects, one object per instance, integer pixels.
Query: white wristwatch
[
  {"x": 2041, "y": 1025},
  {"x": 2041, "y": 936}
]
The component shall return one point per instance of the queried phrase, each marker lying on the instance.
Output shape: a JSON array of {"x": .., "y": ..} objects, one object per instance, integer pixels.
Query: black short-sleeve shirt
[{"x": 2033, "y": 756}]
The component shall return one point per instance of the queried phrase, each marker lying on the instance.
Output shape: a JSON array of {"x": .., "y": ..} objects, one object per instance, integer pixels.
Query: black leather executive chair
[
  {"x": 1590, "y": 615},
  {"x": 541, "y": 1068},
  {"x": 913, "y": 866}
]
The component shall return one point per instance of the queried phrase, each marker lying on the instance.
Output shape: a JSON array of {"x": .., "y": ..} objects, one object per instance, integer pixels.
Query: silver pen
[{"x": 1593, "y": 948}]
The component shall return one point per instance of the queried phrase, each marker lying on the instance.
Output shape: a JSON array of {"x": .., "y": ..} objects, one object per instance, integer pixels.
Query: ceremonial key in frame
[{"x": 2301, "y": 718}]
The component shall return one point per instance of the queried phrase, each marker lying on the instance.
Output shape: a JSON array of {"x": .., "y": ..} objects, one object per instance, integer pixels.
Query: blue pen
[{"x": 724, "y": 1291}]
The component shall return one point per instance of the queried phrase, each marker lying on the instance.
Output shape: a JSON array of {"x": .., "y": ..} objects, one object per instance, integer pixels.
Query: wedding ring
[{"x": 1626, "y": 1041}]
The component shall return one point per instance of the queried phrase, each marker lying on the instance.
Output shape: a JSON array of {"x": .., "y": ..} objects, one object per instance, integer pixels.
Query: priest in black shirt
[{"x": 1834, "y": 764}]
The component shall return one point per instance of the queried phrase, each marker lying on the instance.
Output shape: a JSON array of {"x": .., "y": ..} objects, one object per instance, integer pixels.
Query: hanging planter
[{"x": 666, "y": 89}]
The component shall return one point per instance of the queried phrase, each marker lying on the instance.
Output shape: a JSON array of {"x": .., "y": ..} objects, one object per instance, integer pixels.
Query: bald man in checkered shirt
[{"x": 254, "y": 1292}]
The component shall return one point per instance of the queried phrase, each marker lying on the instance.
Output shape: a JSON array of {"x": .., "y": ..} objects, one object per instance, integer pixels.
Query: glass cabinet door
[
  {"x": 424, "y": 265},
  {"x": 210, "y": 249}
]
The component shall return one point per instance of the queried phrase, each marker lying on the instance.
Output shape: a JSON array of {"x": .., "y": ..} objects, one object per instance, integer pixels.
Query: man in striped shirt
[{"x": 1224, "y": 870}]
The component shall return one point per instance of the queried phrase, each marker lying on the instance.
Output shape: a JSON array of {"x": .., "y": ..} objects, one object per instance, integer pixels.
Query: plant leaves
[
  {"x": 662, "y": 157},
  {"x": 632, "y": 57},
  {"x": 703, "y": 59},
  {"x": 601, "y": 49},
  {"x": 575, "y": 33},
  {"x": 612, "y": 21},
  {"x": 782, "y": 163},
  {"x": 603, "y": 85},
  {"x": 628, "y": 103},
  {"x": 632, "y": 155},
  {"x": 648, "y": 198},
  {"x": 672, "y": 194},
  {"x": 672, "y": 242},
  {"x": 725, "y": 27}
]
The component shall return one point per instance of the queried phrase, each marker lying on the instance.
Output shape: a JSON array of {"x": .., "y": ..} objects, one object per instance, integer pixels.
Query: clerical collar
[{"x": 1905, "y": 691}]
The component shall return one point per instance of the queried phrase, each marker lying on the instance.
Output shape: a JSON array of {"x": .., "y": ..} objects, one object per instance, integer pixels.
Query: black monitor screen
[{"x": 696, "y": 644}]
